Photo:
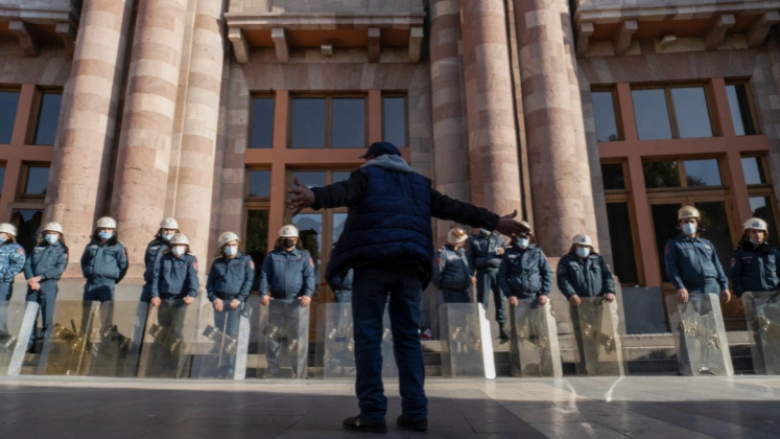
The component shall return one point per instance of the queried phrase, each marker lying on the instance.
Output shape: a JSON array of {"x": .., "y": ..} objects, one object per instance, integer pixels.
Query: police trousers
[
  {"x": 99, "y": 290},
  {"x": 45, "y": 298}
]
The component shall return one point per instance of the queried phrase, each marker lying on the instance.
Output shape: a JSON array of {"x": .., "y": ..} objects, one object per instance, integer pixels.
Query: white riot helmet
[
  {"x": 227, "y": 237},
  {"x": 180, "y": 239},
  {"x": 688, "y": 212},
  {"x": 169, "y": 223},
  {"x": 53, "y": 227},
  {"x": 756, "y": 224},
  {"x": 288, "y": 231},
  {"x": 8, "y": 228},
  {"x": 457, "y": 236},
  {"x": 582, "y": 239},
  {"x": 106, "y": 222}
]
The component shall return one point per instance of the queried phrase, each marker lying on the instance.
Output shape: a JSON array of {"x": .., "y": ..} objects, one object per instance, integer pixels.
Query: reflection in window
[
  {"x": 259, "y": 184},
  {"x": 256, "y": 238},
  {"x": 9, "y": 101},
  {"x": 753, "y": 170},
  {"x": 622, "y": 242},
  {"x": 604, "y": 111},
  {"x": 339, "y": 219},
  {"x": 310, "y": 229},
  {"x": 661, "y": 174},
  {"x": 761, "y": 207},
  {"x": 702, "y": 173},
  {"x": 48, "y": 118},
  {"x": 349, "y": 123},
  {"x": 741, "y": 114},
  {"x": 37, "y": 181},
  {"x": 262, "y": 123},
  {"x": 28, "y": 224},
  {"x": 690, "y": 109},
  {"x": 651, "y": 114},
  {"x": 394, "y": 120},
  {"x": 310, "y": 178},
  {"x": 612, "y": 174},
  {"x": 308, "y": 123},
  {"x": 341, "y": 176}
]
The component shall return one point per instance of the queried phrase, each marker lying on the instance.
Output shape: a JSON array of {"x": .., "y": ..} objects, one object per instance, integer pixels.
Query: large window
[
  {"x": 36, "y": 180},
  {"x": 741, "y": 109},
  {"x": 622, "y": 239},
  {"x": 394, "y": 120},
  {"x": 671, "y": 112},
  {"x": 761, "y": 193},
  {"x": 328, "y": 122},
  {"x": 613, "y": 176},
  {"x": 9, "y": 103},
  {"x": 682, "y": 173},
  {"x": 257, "y": 196},
  {"x": 262, "y": 122},
  {"x": 604, "y": 112},
  {"x": 48, "y": 118}
]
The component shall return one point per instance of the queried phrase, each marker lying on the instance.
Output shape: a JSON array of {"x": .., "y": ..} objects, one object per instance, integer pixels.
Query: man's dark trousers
[
  {"x": 487, "y": 280},
  {"x": 370, "y": 290}
]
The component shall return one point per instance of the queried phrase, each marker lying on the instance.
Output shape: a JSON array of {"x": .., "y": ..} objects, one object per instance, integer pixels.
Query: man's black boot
[
  {"x": 502, "y": 333},
  {"x": 356, "y": 424},
  {"x": 421, "y": 425}
]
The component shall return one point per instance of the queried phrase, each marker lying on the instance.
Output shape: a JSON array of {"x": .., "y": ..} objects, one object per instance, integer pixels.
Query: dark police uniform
[
  {"x": 176, "y": 278},
  {"x": 49, "y": 262},
  {"x": 230, "y": 279},
  {"x": 755, "y": 268},
  {"x": 692, "y": 263},
  {"x": 452, "y": 274},
  {"x": 585, "y": 277},
  {"x": 103, "y": 265},
  {"x": 153, "y": 252},
  {"x": 12, "y": 259},
  {"x": 525, "y": 273},
  {"x": 485, "y": 260}
]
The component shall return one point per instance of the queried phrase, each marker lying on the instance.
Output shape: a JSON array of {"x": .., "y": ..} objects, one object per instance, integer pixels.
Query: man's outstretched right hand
[{"x": 509, "y": 227}]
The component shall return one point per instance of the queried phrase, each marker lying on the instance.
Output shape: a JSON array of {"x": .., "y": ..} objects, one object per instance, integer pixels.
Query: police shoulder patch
[
  {"x": 561, "y": 268},
  {"x": 666, "y": 249},
  {"x": 251, "y": 264},
  {"x": 311, "y": 262},
  {"x": 20, "y": 250},
  {"x": 733, "y": 261}
]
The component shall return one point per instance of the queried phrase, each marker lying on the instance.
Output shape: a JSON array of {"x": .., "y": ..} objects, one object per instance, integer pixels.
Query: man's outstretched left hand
[
  {"x": 301, "y": 197},
  {"x": 508, "y": 226}
]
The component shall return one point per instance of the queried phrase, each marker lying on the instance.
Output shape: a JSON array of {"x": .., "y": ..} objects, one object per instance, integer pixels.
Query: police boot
[{"x": 502, "y": 333}]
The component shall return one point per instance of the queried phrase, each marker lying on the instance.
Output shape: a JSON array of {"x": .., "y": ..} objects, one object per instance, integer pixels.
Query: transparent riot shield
[
  {"x": 284, "y": 339},
  {"x": 17, "y": 323},
  {"x": 596, "y": 329},
  {"x": 534, "y": 350},
  {"x": 468, "y": 346},
  {"x": 762, "y": 314},
  {"x": 168, "y": 340},
  {"x": 66, "y": 349},
  {"x": 222, "y": 342},
  {"x": 700, "y": 335},
  {"x": 335, "y": 351},
  {"x": 115, "y": 338}
]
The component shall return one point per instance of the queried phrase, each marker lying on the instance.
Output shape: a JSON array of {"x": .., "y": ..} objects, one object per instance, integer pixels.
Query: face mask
[
  {"x": 105, "y": 235},
  {"x": 178, "y": 250},
  {"x": 166, "y": 237},
  {"x": 689, "y": 228},
  {"x": 231, "y": 251},
  {"x": 288, "y": 242},
  {"x": 523, "y": 242},
  {"x": 485, "y": 231},
  {"x": 755, "y": 242},
  {"x": 583, "y": 252},
  {"x": 52, "y": 239}
]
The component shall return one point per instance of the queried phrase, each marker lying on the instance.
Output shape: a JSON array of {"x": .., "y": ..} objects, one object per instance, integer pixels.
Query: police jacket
[
  {"x": 754, "y": 268},
  {"x": 390, "y": 210},
  {"x": 341, "y": 284},
  {"x": 177, "y": 276},
  {"x": 585, "y": 277},
  {"x": 692, "y": 263},
  {"x": 287, "y": 275},
  {"x": 47, "y": 261},
  {"x": 451, "y": 269},
  {"x": 104, "y": 260},
  {"x": 482, "y": 251},
  {"x": 153, "y": 252},
  {"x": 12, "y": 259},
  {"x": 525, "y": 273},
  {"x": 231, "y": 278}
]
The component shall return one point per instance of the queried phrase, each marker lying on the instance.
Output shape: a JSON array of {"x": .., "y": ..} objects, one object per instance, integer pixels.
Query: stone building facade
[{"x": 587, "y": 116}]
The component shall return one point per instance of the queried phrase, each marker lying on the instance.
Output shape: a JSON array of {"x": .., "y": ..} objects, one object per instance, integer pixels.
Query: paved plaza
[{"x": 650, "y": 407}]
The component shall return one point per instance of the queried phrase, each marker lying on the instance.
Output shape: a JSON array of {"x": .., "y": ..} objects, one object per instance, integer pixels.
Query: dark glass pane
[
  {"x": 341, "y": 176},
  {"x": 310, "y": 178},
  {"x": 308, "y": 123},
  {"x": 702, "y": 172},
  {"x": 339, "y": 219},
  {"x": 651, "y": 114},
  {"x": 665, "y": 226},
  {"x": 48, "y": 118},
  {"x": 28, "y": 224},
  {"x": 262, "y": 123},
  {"x": 2, "y": 178},
  {"x": 9, "y": 102},
  {"x": 715, "y": 222},
  {"x": 394, "y": 114},
  {"x": 37, "y": 180},
  {"x": 604, "y": 110},
  {"x": 622, "y": 242},
  {"x": 256, "y": 237},
  {"x": 690, "y": 108},
  {"x": 612, "y": 173},
  {"x": 661, "y": 174},
  {"x": 259, "y": 184},
  {"x": 349, "y": 123},
  {"x": 754, "y": 172},
  {"x": 762, "y": 208},
  {"x": 741, "y": 115},
  {"x": 310, "y": 229}
]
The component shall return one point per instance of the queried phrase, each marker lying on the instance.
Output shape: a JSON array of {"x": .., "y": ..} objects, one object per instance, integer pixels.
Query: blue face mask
[
  {"x": 583, "y": 252},
  {"x": 689, "y": 228},
  {"x": 52, "y": 239},
  {"x": 166, "y": 237},
  {"x": 523, "y": 242},
  {"x": 230, "y": 251},
  {"x": 105, "y": 236}
]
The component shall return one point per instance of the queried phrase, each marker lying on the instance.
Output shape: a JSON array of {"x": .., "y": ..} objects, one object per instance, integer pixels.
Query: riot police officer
[
  {"x": 230, "y": 280},
  {"x": 452, "y": 273},
  {"x": 104, "y": 262},
  {"x": 287, "y": 276},
  {"x": 524, "y": 272},
  {"x": 168, "y": 227},
  {"x": 692, "y": 264},
  {"x": 43, "y": 270},
  {"x": 12, "y": 259},
  {"x": 485, "y": 251},
  {"x": 341, "y": 285},
  {"x": 583, "y": 273},
  {"x": 754, "y": 264},
  {"x": 176, "y": 276}
]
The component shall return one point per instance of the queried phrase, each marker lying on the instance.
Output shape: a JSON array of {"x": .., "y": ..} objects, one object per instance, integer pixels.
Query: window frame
[
  {"x": 751, "y": 103},
  {"x": 615, "y": 107},
  {"x": 626, "y": 180},
  {"x": 250, "y": 125},
  {"x": 18, "y": 90},
  {"x": 253, "y": 200},
  {"x": 21, "y": 187},
  {"x": 35, "y": 118},
  {"x": 682, "y": 175},
  {"x": 405, "y": 97},
  {"x": 328, "y": 116},
  {"x": 671, "y": 111}
]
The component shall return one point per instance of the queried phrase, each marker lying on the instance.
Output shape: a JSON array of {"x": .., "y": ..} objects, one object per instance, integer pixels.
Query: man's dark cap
[{"x": 381, "y": 148}]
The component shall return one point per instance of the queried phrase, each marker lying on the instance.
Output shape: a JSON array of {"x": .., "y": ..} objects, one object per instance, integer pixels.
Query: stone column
[
  {"x": 138, "y": 200},
  {"x": 450, "y": 148},
  {"x": 560, "y": 173},
  {"x": 495, "y": 173},
  {"x": 82, "y": 152}
]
